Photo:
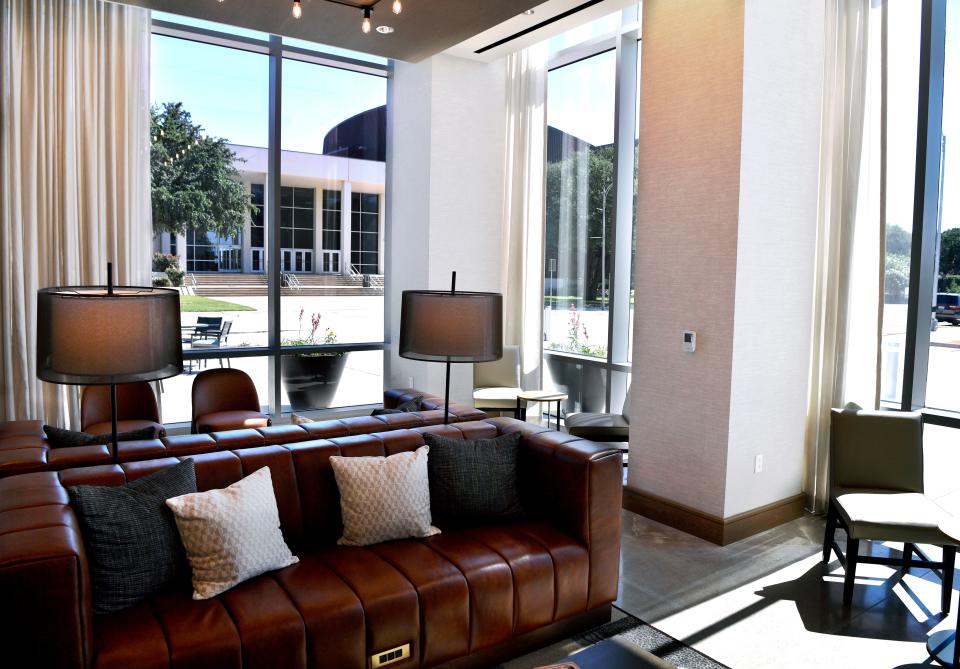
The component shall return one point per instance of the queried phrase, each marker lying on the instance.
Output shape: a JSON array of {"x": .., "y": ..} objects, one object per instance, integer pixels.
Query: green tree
[
  {"x": 950, "y": 251},
  {"x": 896, "y": 276},
  {"x": 194, "y": 184},
  {"x": 898, "y": 241}
]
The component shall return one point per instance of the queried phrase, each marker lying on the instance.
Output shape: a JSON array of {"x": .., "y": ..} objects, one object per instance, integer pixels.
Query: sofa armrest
[
  {"x": 577, "y": 485},
  {"x": 46, "y": 617}
]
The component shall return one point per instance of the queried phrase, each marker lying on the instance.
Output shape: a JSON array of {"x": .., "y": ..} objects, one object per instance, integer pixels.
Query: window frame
[
  {"x": 625, "y": 41},
  {"x": 277, "y": 51}
]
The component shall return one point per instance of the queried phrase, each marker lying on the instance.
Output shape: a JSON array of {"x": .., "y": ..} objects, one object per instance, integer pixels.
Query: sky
[{"x": 225, "y": 91}]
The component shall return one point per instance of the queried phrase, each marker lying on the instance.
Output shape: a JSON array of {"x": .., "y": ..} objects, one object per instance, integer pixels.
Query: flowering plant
[
  {"x": 577, "y": 338},
  {"x": 313, "y": 337}
]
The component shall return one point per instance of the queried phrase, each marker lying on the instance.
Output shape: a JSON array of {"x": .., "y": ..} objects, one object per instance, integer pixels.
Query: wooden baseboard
[{"x": 721, "y": 531}]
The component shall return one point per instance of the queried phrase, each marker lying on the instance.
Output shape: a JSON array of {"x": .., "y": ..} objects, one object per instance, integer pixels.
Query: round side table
[
  {"x": 538, "y": 396},
  {"x": 942, "y": 645}
]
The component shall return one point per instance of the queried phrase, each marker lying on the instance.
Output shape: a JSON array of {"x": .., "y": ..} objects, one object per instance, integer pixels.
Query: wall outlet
[{"x": 757, "y": 464}]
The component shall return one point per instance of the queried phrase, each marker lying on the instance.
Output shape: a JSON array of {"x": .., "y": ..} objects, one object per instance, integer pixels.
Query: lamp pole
[
  {"x": 114, "y": 448},
  {"x": 446, "y": 392}
]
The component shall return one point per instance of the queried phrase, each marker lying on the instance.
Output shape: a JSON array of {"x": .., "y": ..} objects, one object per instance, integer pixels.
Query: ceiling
[
  {"x": 425, "y": 28},
  {"x": 571, "y": 13}
]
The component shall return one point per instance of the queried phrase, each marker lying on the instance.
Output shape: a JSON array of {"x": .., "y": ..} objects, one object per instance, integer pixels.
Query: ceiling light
[
  {"x": 297, "y": 10},
  {"x": 397, "y": 6},
  {"x": 528, "y": 12},
  {"x": 384, "y": 30},
  {"x": 365, "y": 26}
]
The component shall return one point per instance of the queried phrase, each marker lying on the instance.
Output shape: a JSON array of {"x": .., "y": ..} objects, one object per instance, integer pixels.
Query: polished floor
[{"x": 767, "y": 601}]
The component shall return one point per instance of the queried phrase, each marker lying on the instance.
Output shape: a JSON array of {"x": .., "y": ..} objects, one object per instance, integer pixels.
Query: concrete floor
[{"x": 767, "y": 601}]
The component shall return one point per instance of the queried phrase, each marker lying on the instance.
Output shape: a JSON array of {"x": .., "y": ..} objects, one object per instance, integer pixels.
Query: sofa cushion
[
  {"x": 231, "y": 534},
  {"x": 473, "y": 480},
  {"x": 383, "y": 498},
  {"x": 130, "y": 535}
]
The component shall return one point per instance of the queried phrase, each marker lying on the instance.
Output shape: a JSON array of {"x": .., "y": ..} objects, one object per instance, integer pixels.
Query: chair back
[
  {"x": 880, "y": 450},
  {"x": 215, "y": 321},
  {"x": 135, "y": 401},
  {"x": 502, "y": 373},
  {"x": 223, "y": 389},
  {"x": 225, "y": 332}
]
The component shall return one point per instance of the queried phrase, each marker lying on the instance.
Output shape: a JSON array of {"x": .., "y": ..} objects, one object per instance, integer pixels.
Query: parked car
[{"x": 948, "y": 308}]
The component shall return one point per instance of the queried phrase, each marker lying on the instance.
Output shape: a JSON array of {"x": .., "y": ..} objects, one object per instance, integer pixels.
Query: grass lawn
[{"x": 194, "y": 303}]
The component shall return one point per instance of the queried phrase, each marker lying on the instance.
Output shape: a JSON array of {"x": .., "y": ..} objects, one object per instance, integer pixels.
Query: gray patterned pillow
[
  {"x": 131, "y": 539},
  {"x": 474, "y": 480}
]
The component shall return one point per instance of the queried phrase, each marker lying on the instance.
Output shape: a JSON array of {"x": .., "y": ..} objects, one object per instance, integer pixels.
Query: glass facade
[
  {"x": 213, "y": 163},
  {"x": 365, "y": 233}
]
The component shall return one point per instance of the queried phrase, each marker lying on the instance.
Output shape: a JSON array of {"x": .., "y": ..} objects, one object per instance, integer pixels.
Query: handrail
[{"x": 290, "y": 280}]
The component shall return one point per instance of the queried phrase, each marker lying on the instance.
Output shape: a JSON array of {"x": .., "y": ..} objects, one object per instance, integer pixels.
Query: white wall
[
  {"x": 779, "y": 162},
  {"x": 445, "y": 137}
]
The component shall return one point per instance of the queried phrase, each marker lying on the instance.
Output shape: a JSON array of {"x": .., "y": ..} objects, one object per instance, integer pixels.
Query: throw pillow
[
  {"x": 412, "y": 404},
  {"x": 474, "y": 480},
  {"x": 385, "y": 412},
  {"x": 132, "y": 543},
  {"x": 384, "y": 498},
  {"x": 232, "y": 534},
  {"x": 58, "y": 437}
]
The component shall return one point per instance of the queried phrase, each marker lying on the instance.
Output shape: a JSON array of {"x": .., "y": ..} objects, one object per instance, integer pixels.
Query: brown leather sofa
[
  {"x": 24, "y": 448},
  {"x": 136, "y": 409},
  {"x": 464, "y": 598}
]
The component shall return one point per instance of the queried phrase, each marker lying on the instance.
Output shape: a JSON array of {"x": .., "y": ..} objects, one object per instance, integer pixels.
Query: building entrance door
[
  {"x": 296, "y": 260},
  {"x": 331, "y": 262}
]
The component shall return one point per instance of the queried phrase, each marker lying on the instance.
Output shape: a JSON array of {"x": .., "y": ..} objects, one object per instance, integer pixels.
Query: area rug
[{"x": 629, "y": 629}]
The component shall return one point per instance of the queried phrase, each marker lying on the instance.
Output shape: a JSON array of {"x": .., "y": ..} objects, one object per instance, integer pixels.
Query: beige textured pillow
[
  {"x": 384, "y": 498},
  {"x": 232, "y": 534}
]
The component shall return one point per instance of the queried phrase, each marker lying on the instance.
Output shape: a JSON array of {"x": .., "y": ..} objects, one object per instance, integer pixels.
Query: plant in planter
[{"x": 311, "y": 379}]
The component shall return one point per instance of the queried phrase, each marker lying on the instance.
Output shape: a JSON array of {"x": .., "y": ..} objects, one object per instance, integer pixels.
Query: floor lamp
[
  {"x": 106, "y": 335},
  {"x": 441, "y": 326}
]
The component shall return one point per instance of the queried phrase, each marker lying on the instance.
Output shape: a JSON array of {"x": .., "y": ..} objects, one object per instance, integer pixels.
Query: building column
[
  {"x": 246, "y": 248},
  {"x": 346, "y": 200},
  {"x": 182, "y": 251},
  {"x": 318, "y": 202}
]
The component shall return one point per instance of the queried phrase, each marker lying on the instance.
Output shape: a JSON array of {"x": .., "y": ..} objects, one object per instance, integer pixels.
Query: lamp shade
[
  {"x": 451, "y": 327},
  {"x": 90, "y": 335}
]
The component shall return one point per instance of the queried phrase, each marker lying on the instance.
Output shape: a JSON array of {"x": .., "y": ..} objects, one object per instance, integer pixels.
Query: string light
[
  {"x": 365, "y": 26},
  {"x": 297, "y": 10},
  {"x": 397, "y": 6}
]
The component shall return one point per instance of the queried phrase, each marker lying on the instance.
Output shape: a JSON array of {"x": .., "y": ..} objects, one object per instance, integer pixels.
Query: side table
[
  {"x": 942, "y": 645},
  {"x": 538, "y": 396}
]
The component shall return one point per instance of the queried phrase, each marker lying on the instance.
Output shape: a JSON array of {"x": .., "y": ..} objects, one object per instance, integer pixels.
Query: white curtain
[
  {"x": 848, "y": 295},
  {"x": 74, "y": 171},
  {"x": 523, "y": 208}
]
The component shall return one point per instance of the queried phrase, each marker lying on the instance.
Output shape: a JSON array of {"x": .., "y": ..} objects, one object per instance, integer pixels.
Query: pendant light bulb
[
  {"x": 297, "y": 10},
  {"x": 366, "y": 25},
  {"x": 397, "y": 6}
]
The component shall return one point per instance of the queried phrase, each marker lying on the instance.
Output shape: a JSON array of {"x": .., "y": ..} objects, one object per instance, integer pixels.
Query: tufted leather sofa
[
  {"x": 24, "y": 448},
  {"x": 464, "y": 598}
]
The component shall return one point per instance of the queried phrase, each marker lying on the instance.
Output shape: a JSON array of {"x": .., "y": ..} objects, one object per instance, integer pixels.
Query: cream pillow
[
  {"x": 384, "y": 498},
  {"x": 232, "y": 534}
]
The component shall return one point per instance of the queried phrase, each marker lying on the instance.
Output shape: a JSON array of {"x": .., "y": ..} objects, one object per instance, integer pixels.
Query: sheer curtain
[
  {"x": 848, "y": 295},
  {"x": 523, "y": 208},
  {"x": 74, "y": 171}
]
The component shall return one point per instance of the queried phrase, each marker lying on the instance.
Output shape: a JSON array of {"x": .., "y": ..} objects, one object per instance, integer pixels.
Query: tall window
[
  {"x": 296, "y": 229},
  {"x": 213, "y": 165},
  {"x": 365, "y": 233},
  {"x": 590, "y": 211}
]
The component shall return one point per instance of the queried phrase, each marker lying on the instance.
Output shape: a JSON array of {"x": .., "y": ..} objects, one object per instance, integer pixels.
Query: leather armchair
[
  {"x": 470, "y": 597},
  {"x": 876, "y": 494},
  {"x": 225, "y": 399},
  {"x": 136, "y": 409}
]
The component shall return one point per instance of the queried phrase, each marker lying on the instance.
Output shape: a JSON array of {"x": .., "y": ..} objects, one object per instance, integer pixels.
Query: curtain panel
[
  {"x": 74, "y": 172},
  {"x": 848, "y": 293},
  {"x": 523, "y": 208}
]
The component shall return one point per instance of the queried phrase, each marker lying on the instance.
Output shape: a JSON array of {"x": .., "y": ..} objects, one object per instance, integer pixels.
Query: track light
[
  {"x": 397, "y": 6},
  {"x": 297, "y": 10},
  {"x": 366, "y": 26}
]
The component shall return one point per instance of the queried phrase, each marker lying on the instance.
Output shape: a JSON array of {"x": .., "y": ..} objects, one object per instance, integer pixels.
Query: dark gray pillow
[
  {"x": 59, "y": 437},
  {"x": 473, "y": 481},
  {"x": 131, "y": 537},
  {"x": 413, "y": 404}
]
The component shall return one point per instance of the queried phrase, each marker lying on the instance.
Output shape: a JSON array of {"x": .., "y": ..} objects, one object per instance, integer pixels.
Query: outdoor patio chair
[
  {"x": 216, "y": 339},
  {"x": 203, "y": 326}
]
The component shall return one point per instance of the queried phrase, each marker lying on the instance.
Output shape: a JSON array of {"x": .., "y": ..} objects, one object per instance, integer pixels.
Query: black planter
[
  {"x": 311, "y": 380},
  {"x": 584, "y": 383}
]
